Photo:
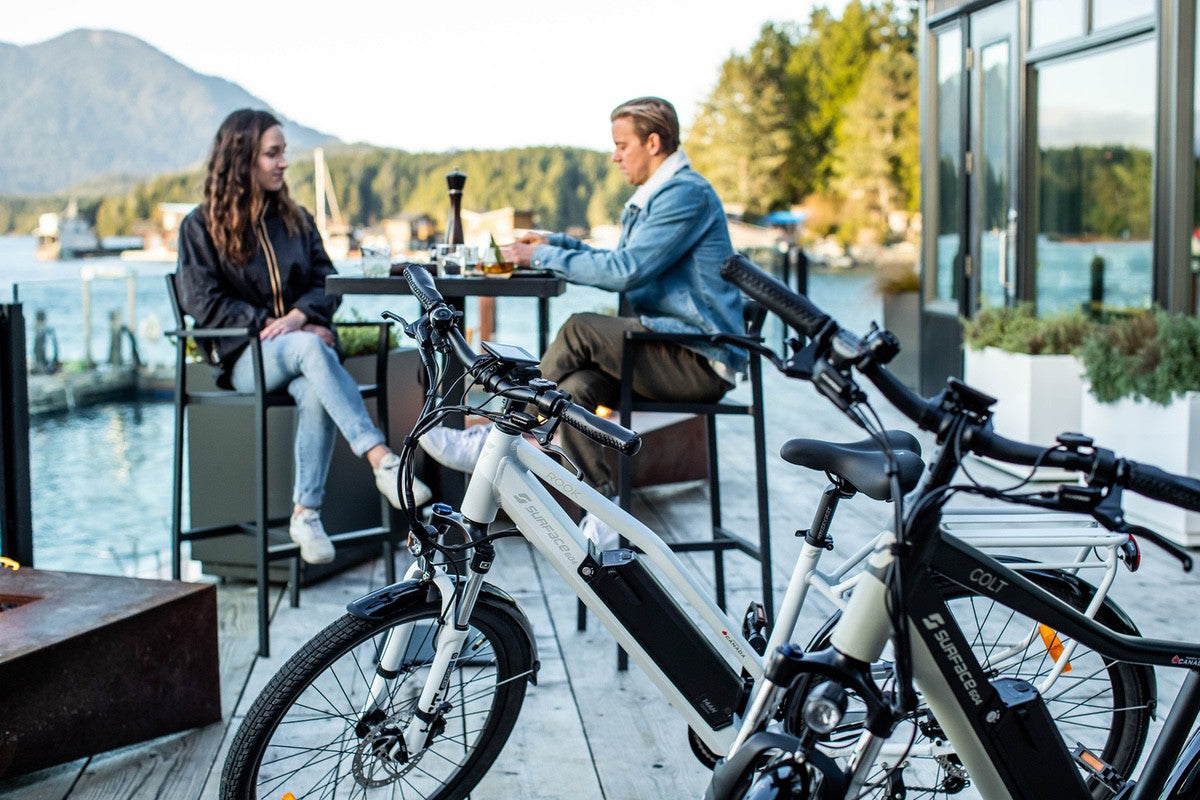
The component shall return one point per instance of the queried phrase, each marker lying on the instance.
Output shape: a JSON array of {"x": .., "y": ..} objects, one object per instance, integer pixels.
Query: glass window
[
  {"x": 1095, "y": 134},
  {"x": 1055, "y": 20},
  {"x": 1113, "y": 12},
  {"x": 948, "y": 194},
  {"x": 994, "y": 245}
]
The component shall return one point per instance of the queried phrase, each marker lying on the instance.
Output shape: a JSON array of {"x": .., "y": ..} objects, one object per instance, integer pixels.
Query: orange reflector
[
  {"x": 1090, "y": 760},
  {"x": 288, "y": 796},
  {"x": 1053, "y": 644},
  {"x": 604, "y": 411},
  {"x": 8, "y": 562}
]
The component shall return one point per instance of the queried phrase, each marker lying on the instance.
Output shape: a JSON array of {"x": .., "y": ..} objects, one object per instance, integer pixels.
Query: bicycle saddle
[{"x": 861, "y": 464}]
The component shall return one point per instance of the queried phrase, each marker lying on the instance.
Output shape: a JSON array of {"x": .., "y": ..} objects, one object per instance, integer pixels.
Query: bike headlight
[{"x": 825, "y": 707}]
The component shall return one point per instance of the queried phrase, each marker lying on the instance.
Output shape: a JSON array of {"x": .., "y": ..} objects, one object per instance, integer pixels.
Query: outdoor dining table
[{"x": 455, "y": 289}]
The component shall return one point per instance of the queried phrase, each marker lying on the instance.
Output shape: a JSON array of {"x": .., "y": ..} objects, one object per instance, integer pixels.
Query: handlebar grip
[
  {"x": 1158, "y": 484},
  {"x": 794, "y": 309},
  {"x": 602, "y": 431},
  {"x": 422, "y": 286}
]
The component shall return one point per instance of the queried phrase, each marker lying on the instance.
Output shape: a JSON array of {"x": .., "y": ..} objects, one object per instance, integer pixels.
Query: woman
[{"x": 249, "y": 256}]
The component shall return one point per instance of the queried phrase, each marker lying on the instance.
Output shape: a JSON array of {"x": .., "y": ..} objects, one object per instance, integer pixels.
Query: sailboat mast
[{"x": 319, "y": 193}]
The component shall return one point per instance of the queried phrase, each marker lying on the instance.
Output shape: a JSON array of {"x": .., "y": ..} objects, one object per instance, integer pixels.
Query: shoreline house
[{"x": 1058, "y": 161}]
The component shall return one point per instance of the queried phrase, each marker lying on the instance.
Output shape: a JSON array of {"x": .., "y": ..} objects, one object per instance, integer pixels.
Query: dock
[{"x": 586, "y": 731}]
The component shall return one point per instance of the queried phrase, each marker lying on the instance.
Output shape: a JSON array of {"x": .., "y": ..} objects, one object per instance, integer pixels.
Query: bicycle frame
[
  {"x": 989, "y": 729},
  {"x": 510, "y": 475},
  {"x": 513, "y": 475}
]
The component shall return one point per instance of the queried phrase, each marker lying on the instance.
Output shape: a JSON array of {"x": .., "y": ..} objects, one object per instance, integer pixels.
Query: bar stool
[
  {"x": 258, "y": 402},
  {"x": 723, "y": 539}
]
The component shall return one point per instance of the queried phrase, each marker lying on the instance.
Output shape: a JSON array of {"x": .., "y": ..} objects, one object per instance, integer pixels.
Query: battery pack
[
  {"x": 1029, "y": 739},
  {"x": 689, "y": 661}
]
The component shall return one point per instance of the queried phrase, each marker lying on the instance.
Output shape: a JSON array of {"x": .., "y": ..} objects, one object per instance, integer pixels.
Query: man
[{"x": 667, "y": 263}]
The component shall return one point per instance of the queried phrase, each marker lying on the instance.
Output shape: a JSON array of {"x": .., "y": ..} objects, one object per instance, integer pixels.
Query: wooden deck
[{"x": 586, "y": 730}]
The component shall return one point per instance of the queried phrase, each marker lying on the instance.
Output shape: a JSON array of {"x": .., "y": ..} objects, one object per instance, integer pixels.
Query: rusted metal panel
[{"x": 89, "y": 663}]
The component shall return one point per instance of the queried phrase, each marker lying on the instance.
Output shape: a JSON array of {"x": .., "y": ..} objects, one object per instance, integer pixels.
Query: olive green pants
[{"x": 585, "y": 359}]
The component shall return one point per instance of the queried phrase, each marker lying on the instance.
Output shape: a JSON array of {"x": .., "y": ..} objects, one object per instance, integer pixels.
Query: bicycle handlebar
[
  {"x": 833, "y": 344},
  {"x": 1150, "y": 481},
  {"x": 548, "y": 399},
  {"x": 796, "y": 310}
]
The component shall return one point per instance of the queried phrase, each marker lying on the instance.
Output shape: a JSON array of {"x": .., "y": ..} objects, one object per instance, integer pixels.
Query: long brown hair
[{"x": 232, "y": 200}]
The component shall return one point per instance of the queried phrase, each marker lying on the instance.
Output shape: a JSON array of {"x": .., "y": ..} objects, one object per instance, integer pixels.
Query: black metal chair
[
  {"x": 259, "y": 402},
  {"x": 723, "y": 540}
]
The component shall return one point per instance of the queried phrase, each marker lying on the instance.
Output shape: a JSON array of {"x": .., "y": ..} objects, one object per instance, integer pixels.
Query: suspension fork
[
  {"x": 457, "y": 606},
  {"x": 457, "y": 600},
  {"x": 398, "y": 638}
]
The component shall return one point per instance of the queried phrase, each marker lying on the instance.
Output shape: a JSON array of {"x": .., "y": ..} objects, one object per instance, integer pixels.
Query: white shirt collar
[{"x": 666, "y": 170}]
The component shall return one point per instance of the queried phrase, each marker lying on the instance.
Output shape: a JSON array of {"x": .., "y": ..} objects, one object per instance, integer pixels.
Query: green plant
[
  {"x": 894, "y": 278},
  {"x": 1153, "y": 355},
  {"x": 1018, "y": 329},
  {"x": 361, "y": 340}
]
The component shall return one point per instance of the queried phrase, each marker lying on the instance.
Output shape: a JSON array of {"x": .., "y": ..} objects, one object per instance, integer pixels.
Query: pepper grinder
[{"x": 454, "y": 228}]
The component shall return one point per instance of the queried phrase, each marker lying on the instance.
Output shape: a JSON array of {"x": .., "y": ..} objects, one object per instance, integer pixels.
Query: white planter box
[
  {"x": 1167, "y": 437},
  {"x": 1039, "y": 396}
]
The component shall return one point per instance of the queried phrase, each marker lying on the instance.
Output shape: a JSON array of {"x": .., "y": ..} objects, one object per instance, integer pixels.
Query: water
[{"x": 101, "y": 475}]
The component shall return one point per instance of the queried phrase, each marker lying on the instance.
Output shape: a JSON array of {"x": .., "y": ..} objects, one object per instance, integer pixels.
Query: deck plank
[
  {"x": 548, "y": 753},
  {"x": 639, "y": 743},
  {"x": 52, "y": 783}
]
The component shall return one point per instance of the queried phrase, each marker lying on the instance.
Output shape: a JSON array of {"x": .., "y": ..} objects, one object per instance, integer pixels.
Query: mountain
[{"x": 91, "y": 104}]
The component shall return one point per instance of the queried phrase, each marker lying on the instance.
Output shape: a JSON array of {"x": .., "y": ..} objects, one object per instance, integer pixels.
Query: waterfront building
[{"x": 1058, "y": 160}]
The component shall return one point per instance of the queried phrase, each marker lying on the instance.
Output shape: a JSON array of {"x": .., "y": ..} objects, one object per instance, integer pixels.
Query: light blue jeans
[{"x": 326, "y": 398}]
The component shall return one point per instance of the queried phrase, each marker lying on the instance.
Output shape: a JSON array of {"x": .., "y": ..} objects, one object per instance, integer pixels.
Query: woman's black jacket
[{"x": 285, "y": 272}]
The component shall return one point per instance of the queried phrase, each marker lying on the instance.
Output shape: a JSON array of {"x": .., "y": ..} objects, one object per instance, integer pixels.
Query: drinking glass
[
  {"x": 492, "y": 266},
  {"x": 376, "y": 261}
]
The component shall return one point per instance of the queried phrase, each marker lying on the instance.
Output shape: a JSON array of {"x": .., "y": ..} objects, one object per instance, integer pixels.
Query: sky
[{"x": 441, "y": 74}]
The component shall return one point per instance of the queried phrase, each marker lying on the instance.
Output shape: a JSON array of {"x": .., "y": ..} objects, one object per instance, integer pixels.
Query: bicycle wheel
[
  {"x": 1103, "y": 704},
  {"x": 306, "y": 733}
]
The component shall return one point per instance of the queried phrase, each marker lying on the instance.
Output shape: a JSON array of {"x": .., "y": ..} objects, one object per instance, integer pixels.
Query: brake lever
[
  {"x": 1110, "y": 513},
  {"x": 750, "y": 343}
]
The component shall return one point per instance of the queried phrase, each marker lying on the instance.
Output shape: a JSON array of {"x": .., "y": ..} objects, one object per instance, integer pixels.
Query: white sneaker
[
  {"x": 307, "y": 531},
  {"x": 604, "y": 535},
  {"x": 454, "y": 448},
  {"x": 387, "y": 481}
]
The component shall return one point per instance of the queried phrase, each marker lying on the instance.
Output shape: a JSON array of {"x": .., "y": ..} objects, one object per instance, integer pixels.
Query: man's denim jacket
[{"x": 668, "y": 264}]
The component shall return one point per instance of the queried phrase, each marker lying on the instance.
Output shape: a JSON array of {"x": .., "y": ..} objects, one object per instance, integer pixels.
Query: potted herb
[
  {"x": 1143, "y": 401},
  {"x": 1028, "y": 364},
  {"x": 898, "y": 285}
]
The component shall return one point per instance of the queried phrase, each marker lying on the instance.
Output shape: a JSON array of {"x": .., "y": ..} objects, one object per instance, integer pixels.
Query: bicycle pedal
[{"x": 1098, "y": 768}]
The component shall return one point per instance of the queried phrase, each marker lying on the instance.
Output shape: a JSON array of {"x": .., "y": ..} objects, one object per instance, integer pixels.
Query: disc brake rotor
[{"x": 381, "y": 758}]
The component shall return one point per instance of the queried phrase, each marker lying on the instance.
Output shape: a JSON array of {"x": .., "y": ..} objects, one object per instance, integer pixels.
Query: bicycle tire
[
  {"x": 304, "y": 735},
  {"x": 1106, "y": 705}
]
